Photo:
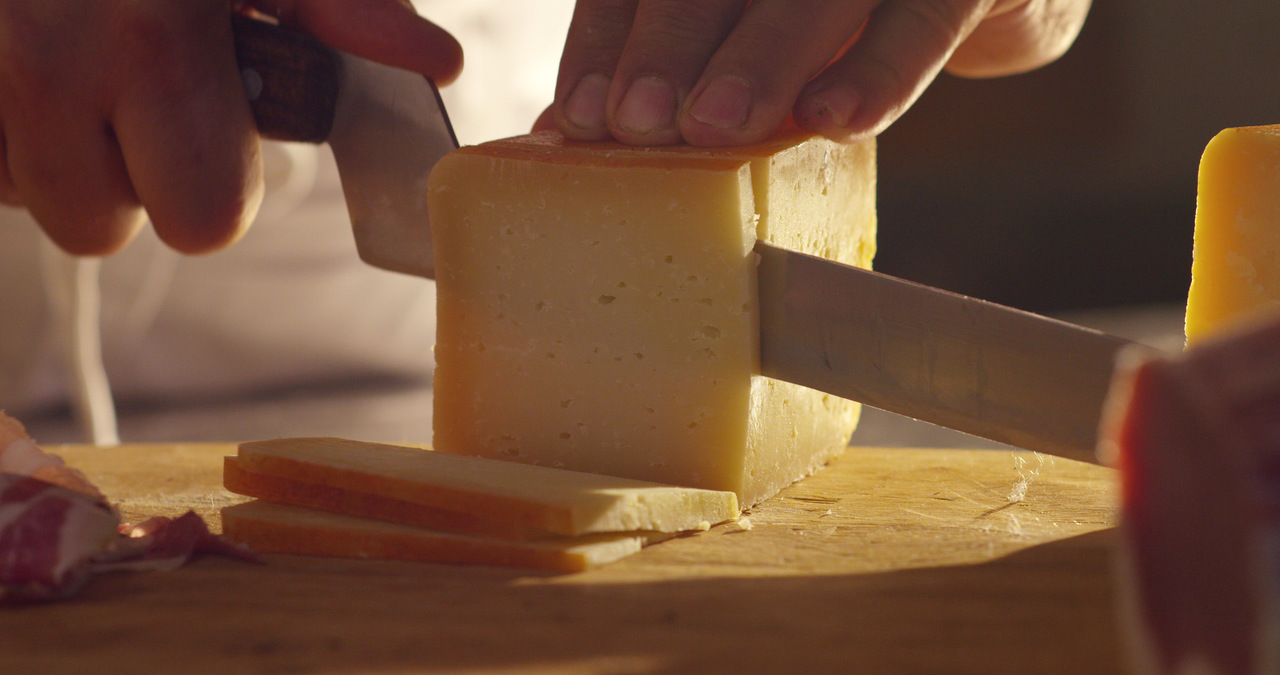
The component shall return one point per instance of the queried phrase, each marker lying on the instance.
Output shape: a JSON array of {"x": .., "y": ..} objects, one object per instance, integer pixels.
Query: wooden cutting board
[{"x": 888, "y": 561}]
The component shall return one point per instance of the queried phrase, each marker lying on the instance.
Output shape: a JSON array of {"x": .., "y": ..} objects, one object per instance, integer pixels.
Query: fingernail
[
  {"x": 836, "y": 104},
  {"x": 648, "y": 105},
  {"x": 725, "y": 103},
  {"x": 585, "y": 106}
]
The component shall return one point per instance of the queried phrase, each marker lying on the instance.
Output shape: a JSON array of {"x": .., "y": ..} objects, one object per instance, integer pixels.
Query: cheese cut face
[
  {"x": 1235, "y": 272},
  {"x": 597, "y": 305}
]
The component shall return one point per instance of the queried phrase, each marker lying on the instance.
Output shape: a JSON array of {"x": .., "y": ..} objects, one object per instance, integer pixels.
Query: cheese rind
[
  {"x": 465, "y": 494},
  {"x": 597, "y": 305},
  {"x": 1235, "y": 272}
]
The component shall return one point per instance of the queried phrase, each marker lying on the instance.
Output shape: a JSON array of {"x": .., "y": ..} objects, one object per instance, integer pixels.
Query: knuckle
[
  {"x": 760, "y": 43},
  {"x": 30, "y": 59},
  {"x": 888, "y": 79},
  {"x": 680, "y": 27},
  {"x": 681, "y": 20},
  {"x": 600, "y": 27},
  {"x": 97, "y": 232},
  {"x": 211, "y": 220},
  {"x": 947, "y": 20},
  {"x": 159, "y": 46}
]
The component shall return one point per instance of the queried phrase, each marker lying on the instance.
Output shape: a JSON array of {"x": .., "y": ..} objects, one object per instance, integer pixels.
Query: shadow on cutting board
[{"x": 1046, "y": 609}]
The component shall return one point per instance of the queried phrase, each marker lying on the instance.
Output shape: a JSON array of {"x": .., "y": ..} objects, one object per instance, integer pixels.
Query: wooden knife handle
[{"x": 291, "y": 80}]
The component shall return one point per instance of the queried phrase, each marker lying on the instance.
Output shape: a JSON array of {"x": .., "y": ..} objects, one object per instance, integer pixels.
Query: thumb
[{"x": 387, "y": 31}]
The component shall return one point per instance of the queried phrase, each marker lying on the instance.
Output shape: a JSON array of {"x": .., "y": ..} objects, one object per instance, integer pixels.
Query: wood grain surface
[{"x": 888, "y": 561}]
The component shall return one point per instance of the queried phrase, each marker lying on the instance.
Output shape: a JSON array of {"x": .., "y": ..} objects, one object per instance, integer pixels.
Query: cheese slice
[
  {"x": 1235, "y": 271},
  {"x": 597, "y": 305},
  {"x": 285, "y": 489},
  {"x": 464, "y": 494},
  {"x": 276, "y": 528}
]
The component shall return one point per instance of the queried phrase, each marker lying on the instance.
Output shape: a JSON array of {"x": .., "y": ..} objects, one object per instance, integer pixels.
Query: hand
[
  {"x": 724, "y": 72},
  {"x": 110, "y": 107}
]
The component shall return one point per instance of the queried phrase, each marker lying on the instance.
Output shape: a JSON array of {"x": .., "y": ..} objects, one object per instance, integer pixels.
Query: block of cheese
[
  {"x": 1235, "y": 272},
  {"x": 597, "y": 308},
  {"x": 279, "y": 528},
  {"x": 464, "y": 494}
]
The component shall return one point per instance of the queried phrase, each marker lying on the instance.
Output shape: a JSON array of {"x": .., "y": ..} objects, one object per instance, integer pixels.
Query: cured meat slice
[
  {"x": 20, "y": 455},
  {"x": 56, "y": 528},
  {"x": 48, "y": 537},
  {"x": 1197, "y": 441}
]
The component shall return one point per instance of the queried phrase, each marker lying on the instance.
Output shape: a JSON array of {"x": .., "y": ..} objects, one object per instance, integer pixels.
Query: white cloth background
[{"x": 290, "y": 304}]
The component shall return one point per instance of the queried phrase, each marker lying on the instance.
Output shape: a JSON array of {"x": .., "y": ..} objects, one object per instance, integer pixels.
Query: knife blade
[
  {"x": 966, "y": 364},
  {"x": 387, "y": 128}
]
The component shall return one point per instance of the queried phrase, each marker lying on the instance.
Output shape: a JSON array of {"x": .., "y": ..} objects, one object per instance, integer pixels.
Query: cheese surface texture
[
  {"x": 597, "y": 305},
  {"x": 1235, "y": 272}
]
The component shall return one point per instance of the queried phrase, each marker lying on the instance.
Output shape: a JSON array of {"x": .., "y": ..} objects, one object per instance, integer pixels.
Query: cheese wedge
[
  {"x": 464, "y": 494},
  {"x": 597, "y": 305},
  {"x": 1235, "y": 271},
  {"x": 276, "y": 528}
]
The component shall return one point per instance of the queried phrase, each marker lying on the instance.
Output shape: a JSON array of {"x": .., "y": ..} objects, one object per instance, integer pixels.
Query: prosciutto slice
[
  {"x": 48, "y": 537},
  {"x": 20, "y": 455},
  {"x": 57, "y": 530},
  {"x": 1197, "y": 441}
]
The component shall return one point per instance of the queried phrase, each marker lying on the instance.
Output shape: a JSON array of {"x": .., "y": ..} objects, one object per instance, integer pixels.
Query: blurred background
[{"x": 1074, "y": 186}]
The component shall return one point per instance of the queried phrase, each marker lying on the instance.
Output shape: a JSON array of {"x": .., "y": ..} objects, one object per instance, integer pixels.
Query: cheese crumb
[{"x": 1025, "y": 477}]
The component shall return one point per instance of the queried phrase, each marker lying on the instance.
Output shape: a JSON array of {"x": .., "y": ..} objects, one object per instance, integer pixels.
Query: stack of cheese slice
[{"x": 334, "y": 497}]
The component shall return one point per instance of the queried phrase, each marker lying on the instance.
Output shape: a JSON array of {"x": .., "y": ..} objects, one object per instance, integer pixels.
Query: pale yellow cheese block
[
  {"x": 597, "y": 305},
  {"x": 471, "y": 495},
  {"x": 276, "y": 528},
  {"x": 1235, "y": 272}
]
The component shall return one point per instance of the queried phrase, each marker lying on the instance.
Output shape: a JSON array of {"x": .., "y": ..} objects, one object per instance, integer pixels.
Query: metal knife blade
[
  {"x": 967, "y": 364},
  {"x": 387, "y": 128}
]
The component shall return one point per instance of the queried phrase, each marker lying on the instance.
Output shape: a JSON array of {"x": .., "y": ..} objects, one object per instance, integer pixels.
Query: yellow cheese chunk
[
  {"x": 470, "y": 495},
  {"x": 597, "y": 305},
  {"x": 1235, "y": 272}
]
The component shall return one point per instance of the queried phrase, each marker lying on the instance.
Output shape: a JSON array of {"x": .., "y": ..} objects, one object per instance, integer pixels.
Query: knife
[
  {"x": 387, "y": 127},
  {"x": 963, "y": 363},
  {"x": 970, "y": 365}
]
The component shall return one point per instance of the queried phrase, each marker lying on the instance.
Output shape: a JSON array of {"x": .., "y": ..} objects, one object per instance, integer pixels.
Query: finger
[
  {"x": 8, "y": 194},
  {"x": 546, "y": 121},
  {"x": 597, "y": 35},
  {"x": 387, "y": 31},
  {"x": 746, "y": 90},
  {"x": 68, "y": 170},
  {"x": 903, "y": 46},
  {"x": 1018, "y": 36},
  {"x": 669, "y": 45},
  {"x": 184, "y": 126}
]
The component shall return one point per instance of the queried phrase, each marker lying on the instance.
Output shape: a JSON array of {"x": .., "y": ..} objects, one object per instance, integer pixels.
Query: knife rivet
[{"x": 252, "y": 83}]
